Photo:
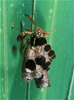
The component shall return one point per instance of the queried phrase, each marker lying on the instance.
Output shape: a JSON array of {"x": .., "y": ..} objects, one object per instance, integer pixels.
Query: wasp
[{"x": 39, "y": 32}]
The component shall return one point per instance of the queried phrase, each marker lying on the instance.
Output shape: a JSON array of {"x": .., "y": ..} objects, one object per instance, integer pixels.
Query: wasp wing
[
  {"x": 30, "y": 18},
  {"x": 51, "y": 31}
]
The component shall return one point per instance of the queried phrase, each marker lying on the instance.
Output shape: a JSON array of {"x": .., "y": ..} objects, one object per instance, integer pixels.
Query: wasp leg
[{"x": 34, "y": 41}]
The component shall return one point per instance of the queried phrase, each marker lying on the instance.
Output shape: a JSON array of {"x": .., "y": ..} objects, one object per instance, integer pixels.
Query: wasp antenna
[{"x": 51, "y": 31}]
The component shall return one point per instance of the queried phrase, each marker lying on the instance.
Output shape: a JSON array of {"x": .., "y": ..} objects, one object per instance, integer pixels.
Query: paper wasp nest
[
  {"x": 36, "y": 60},
  {"x": 37, "y": 55}
]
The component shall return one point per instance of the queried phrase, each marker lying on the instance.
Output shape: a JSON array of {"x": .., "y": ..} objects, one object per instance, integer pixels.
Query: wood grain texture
[{"x": 49, "y": 15}]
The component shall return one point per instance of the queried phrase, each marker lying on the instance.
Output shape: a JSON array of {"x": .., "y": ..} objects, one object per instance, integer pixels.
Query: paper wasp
[{"x": 39, "y": 32}]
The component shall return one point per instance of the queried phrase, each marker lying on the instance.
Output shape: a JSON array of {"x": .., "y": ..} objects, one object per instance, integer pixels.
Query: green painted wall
[{"x": 49, "y": 15}]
